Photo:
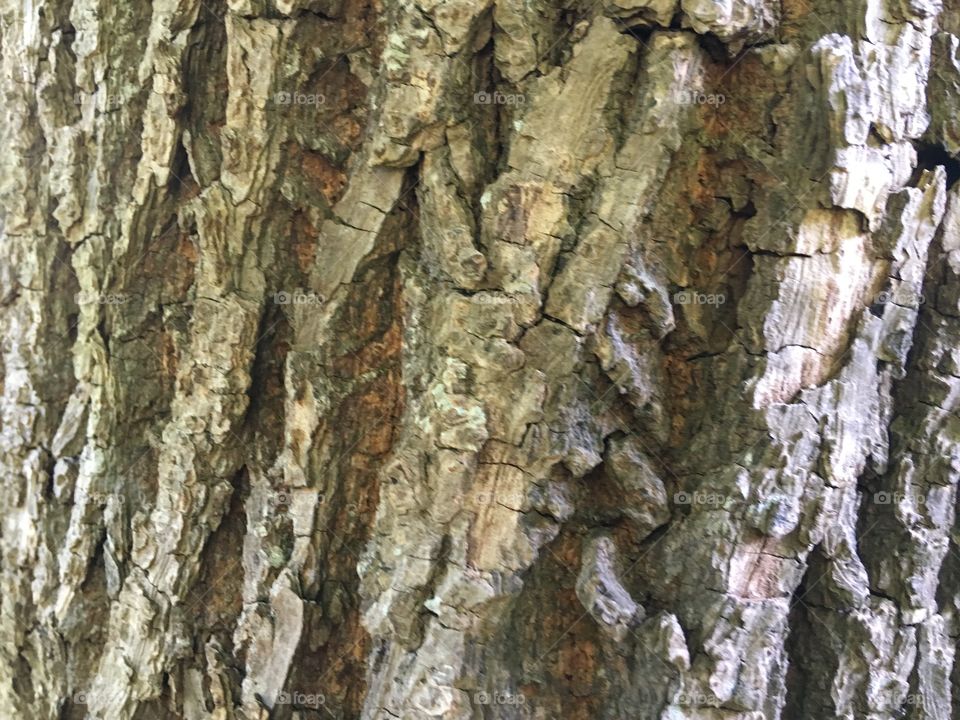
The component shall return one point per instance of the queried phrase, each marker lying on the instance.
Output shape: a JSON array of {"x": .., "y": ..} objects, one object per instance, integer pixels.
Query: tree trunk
[{"x": 480, "y": 359}]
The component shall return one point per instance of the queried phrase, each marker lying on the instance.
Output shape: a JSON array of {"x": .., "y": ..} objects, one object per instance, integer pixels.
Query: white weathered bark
[{"x": 480, "y": 359}]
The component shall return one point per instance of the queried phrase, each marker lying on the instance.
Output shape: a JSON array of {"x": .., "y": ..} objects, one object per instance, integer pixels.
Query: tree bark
[{"x": 480, "y": 359}]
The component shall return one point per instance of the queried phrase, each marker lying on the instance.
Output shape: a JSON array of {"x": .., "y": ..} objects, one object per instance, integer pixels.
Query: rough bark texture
[{"x": 480, "y": 359}]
